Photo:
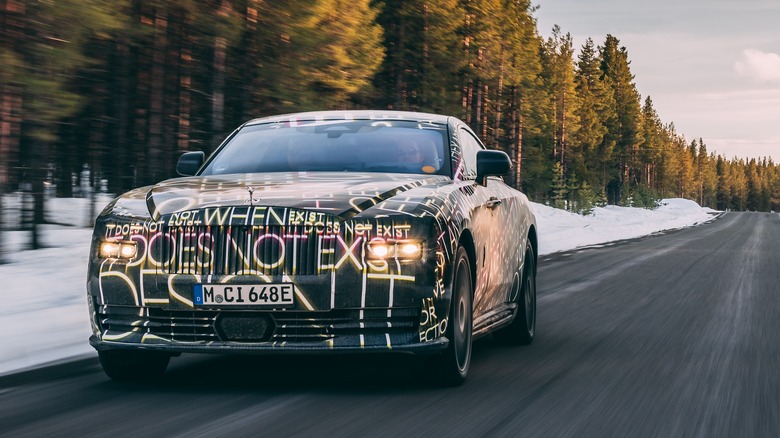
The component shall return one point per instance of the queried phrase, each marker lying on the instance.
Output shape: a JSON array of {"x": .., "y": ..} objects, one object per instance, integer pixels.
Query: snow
[
  {"x": 560, "y": 230},
  {"x": 44, "y": 316}
]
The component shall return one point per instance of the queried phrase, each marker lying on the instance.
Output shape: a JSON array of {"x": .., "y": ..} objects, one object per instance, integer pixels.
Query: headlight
[
  {"x": 381, "y": 249},
  {"x": 118, "y": 249}
]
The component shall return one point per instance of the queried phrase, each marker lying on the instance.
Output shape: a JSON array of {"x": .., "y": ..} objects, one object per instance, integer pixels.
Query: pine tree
[
  {"x": 624, "y": 131},
  {"x": 686, "y": 187},
  {"x": 739, "y": 185},
  {"x": 422, "y": 68},
  {"x": 559, "y": 71},
  {"x": 669, "y": 165},
  {"x": 480, "y": 44},
  {"x": 308, "y": 55},
  {"x": 650, "y": 152},
  {"x": 587, "y": 199},
  {"x": 754, "y": 190},
  {"x": 601, "y": 200},
  {"x": 721, "y": 167},
  {"x": 596, "y": 107},
  {"x": 558, "y": 188},
  {"x": 708, "y": 180},
  {"x": 774, "y": 186},
  {"x": 522, "y": 89},
  {"x": 340, "y": 50}
]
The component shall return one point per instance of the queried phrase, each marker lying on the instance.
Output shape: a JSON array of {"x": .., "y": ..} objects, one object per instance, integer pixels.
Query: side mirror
[
  {"x": 492, "y": 163},
  {"x": 189, "y": 163}
]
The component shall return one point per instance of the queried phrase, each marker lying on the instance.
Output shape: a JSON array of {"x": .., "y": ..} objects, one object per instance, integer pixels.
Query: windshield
[{"x": 359, "y": 145}]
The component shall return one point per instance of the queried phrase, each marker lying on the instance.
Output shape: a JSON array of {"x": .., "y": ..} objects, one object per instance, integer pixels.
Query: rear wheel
[
  {"x": 133, "y": 365},
  {"x": 522, "y": 329},
  {"x": 452, "y": 367}
]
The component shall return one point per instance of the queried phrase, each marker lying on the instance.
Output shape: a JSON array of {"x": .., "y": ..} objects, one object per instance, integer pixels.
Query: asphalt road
[{"x": 670, "y": 335}]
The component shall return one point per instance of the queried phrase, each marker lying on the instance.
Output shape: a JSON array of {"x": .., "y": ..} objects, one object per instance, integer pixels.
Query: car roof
[{"x": 353, "y": 115}]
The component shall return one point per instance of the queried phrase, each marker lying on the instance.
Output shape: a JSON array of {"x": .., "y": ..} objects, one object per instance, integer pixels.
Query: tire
[
  {"x": 127, "y": 365},
  {"x": 451, "y": 367},
  {"x": 522, "y": 329}
]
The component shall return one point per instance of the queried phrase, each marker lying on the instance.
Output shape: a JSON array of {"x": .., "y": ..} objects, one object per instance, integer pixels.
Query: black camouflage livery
[{"x": 310, "y": 230}]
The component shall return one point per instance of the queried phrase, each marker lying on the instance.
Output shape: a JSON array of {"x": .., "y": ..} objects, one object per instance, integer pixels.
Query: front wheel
[
  {"x": 522, "y": 329},
  {"x": 133, "y": 365},
  {"x": 452, "y": 366}
]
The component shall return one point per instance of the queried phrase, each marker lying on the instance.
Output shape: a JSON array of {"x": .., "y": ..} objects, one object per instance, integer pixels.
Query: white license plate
[{"x": 270, "y": 294}]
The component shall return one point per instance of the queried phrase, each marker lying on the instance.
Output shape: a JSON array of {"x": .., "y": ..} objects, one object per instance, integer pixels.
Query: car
[{"x": 318, "y": 232}]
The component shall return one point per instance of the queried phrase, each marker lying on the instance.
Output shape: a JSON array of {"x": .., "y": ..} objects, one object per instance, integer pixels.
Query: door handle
[{"x": 493, "y": 202}]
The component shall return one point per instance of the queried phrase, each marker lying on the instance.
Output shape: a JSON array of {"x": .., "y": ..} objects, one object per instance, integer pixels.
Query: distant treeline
[{"x": 123, "y": 87}]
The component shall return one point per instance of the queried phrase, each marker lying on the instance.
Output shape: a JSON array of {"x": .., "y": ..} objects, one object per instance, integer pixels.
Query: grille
[
  {"x": 290, "y": 327},
  {"x": 183, "y": 326},
  {"x": 242, "y": 250},
  {"x": 316, "y": 326}
]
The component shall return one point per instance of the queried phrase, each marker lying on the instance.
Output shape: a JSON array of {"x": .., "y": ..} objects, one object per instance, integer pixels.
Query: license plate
[{"x": 270, "y": 294}]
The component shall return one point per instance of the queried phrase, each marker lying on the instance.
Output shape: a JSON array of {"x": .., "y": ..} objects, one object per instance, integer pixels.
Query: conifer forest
[{"x": 113, "y": 91}]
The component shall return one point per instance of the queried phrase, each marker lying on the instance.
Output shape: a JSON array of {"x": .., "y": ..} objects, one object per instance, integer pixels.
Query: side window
[{"x": 469, "y": 145}]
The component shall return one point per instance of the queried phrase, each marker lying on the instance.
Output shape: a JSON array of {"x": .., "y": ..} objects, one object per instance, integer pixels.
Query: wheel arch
[
  {"x": 534, "y": 243},
  {"x": 467, "y": 242}
]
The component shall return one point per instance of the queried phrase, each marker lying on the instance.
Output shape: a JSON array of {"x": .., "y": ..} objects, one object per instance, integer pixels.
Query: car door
[{"x": 484, "y": 225}]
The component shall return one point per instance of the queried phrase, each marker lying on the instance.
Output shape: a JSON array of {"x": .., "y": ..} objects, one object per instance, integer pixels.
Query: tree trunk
[
  {"x": 10, "y": 109},
  {"x": 485, "y": 102},
  {"x": 478, "y": 108},
  {"x": 182, "y": 86},
  {"x": 467, "y": 86},
  {"x": 185, "y": 101},
  {"x": 157, "y": 99},
  {"x": 563, "y": 133},
  {"x": 218, "y": 96},
  {"x": 555, "y": 128},
  {"x": 97, "y": 128},
  {"x": 519, "y": 139},
  {"x": 94, "y": 177},
  {"x": 12, "y": 31},
  {"x": 249, "y": 69},
  {"x": 2, "y": 224},
  {"x": 423, "y": 92},
  {"x": 500, "y": 92},
  {"x": 400, "y": 88},
  {"x": 10, "y": 133},
  {"x": 38, "y": 174},
  {"x": 123, "y": 174},
  {"x": 218, "y": 100},
  {"x": 515, "y": 145},
  {"x": 468, "y": 92}
]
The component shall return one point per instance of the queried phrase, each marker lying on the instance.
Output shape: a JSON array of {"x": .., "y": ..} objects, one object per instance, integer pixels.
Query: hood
[{"x": 334, "y": 193}]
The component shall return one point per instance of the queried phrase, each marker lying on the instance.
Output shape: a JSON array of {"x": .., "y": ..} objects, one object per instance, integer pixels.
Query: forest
[{"x": 113, "y": 91}]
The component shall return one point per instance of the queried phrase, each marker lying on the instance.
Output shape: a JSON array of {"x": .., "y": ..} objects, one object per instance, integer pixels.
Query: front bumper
[
  {"x": 432, "y": 347},
  {"x": 213, "y": 331}
]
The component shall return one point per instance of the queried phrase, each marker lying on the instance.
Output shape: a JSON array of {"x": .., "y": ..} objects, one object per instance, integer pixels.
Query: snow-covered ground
[
  {"x": 561, "y": 231},
  {"x": 43, "y": 316}
]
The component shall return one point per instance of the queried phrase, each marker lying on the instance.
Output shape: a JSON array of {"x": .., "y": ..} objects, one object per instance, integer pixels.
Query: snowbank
[{"x": 560, "y": 230}]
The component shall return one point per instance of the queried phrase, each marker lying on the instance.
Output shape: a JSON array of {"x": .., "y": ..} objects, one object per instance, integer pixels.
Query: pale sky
[{"x": 711, "y": 66}]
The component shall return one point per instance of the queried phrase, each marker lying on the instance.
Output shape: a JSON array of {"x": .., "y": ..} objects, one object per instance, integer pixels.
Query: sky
[
  {"x": 47, "y": 321},
  {"x": 712, "y": 67}
]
